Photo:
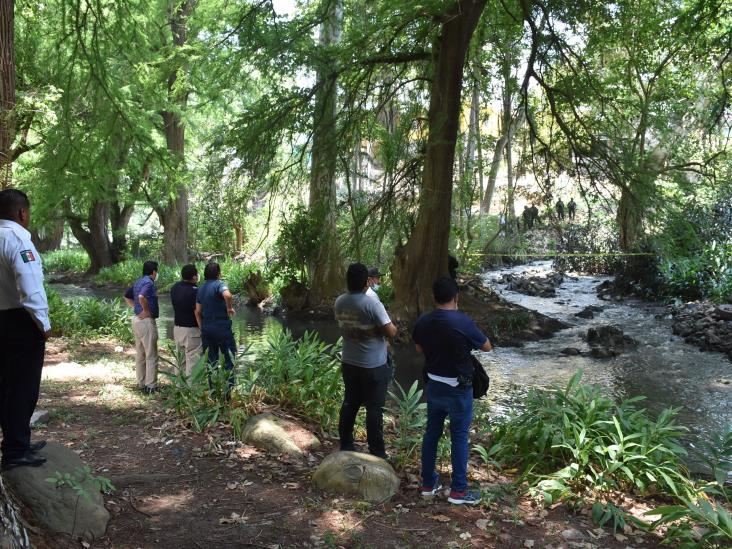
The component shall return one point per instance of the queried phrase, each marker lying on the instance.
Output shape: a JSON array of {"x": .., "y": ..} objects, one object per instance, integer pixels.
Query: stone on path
[
  {"x": 354, "y": 474},
  {"x": 60, "y": 509},
  {"x": 278, "y": 435},
  {"x": 39, "y": 416}
]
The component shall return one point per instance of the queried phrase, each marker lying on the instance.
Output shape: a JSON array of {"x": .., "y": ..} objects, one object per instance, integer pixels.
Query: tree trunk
[
  {"x": 94, "y": 239},
  {"x": 424, "y": 257},
  {"x": 239, "y": 233},
  {"x": 630, "y": 220},
  {"x": 12, "y": 532},
  {"x": 7, "y": 91},
  {"x": 326, "y": 271},
  {"x": 174, "y": 215},
  {"x": 50, "y": 238}
]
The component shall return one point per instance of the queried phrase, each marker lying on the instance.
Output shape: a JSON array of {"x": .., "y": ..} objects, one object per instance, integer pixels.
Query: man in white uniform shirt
[{"x": 24, "y": 328}]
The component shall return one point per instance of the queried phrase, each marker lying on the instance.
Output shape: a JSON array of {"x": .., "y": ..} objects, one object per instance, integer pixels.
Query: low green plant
[
  {"x": 77, "y": 480},
  {"x": 88, "y": 317},
  {"x": 572, "y": 440},
  {"x": 66, "y": 261},
  {"x": 303, "y": 375},
  {"x": 410, "y": 419}
]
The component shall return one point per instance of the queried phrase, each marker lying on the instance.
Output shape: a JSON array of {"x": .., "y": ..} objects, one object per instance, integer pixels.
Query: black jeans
[
  {"x": 364, "y": 387},
  {"x": 21, "y": 360}
]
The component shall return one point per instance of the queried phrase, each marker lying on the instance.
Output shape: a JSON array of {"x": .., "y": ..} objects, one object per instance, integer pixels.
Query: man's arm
[
  {"x": 418, "y": 348},
  {"x": 199, "y": 317},
  {"x": 145, "y": 307},
  {"x": 229, "y": 299},
  {"x": 487, "y": 346},
  {"x": 388, "y": 330}
]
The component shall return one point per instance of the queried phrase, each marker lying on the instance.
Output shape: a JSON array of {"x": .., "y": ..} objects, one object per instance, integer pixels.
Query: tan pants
[
  {"x": 146, "y": 346},
  {"x": 189, "y": 340}
]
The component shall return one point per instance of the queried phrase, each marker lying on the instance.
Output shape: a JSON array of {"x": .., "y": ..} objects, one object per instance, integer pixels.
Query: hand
[
  {"x": 231, "y": 311},
  {"x": 46, "y": 334},
  {"x": 143, "y": 315}
]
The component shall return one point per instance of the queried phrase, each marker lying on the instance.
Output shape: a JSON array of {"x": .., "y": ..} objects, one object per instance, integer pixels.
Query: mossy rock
[{"x": 353, "y": 474}]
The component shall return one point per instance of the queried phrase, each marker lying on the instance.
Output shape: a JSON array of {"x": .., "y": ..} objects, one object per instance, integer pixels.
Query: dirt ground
[{"x": 178, "y": 489}]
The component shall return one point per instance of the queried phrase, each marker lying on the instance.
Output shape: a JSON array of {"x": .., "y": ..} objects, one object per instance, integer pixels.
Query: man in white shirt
[
  {"x": 373, "y": 282},
  {"x": 24, "y": 328}
]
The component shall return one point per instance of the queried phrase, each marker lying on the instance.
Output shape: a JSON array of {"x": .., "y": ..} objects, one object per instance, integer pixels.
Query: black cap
[{"x": 374, "y": 272}]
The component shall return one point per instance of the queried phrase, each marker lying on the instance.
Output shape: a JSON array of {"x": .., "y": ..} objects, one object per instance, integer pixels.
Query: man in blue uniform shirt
[
  {"x": 446, "y": 337},
  {"x": 214, "y": 309},
  {"x": 143, "y": 298},
  {"x": 24, "y": 328}
]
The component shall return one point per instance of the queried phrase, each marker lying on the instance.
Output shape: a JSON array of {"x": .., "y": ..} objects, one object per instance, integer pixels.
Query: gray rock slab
[
  {"x": 60, "y": 508},
  {"x": 39, "y": 416},
  {"x": 353, "y": 474}
]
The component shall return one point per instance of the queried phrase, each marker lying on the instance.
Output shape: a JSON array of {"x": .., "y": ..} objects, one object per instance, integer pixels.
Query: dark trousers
[
  {"x": 218, "y": 337},
  {"x": 364, "y": 387},
  {"x": 21, "y": 360}
]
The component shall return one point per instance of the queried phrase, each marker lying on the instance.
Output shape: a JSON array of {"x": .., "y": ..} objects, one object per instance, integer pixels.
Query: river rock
[
  {"x": 278, "y": 435},
  {"x": 257, "y": 289},
  {"x": 541, "y": 286},
  {"x": 39, "y": 416},
  {"x": 589, "y": 311},
  {"x": 703, "y": 325},
  {"x": 60, "y": 509},
  {"x": 608, "y": 341},
  {"x": 354, "y": 474},
  {"x": 570, "y": 351},
  {"x": 723, "y": 312}
]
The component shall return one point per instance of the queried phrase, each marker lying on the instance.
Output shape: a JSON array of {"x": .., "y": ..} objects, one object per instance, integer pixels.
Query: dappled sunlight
[
  {"x": 101, "y": 370},
  {"x": 166, "y": 503}
]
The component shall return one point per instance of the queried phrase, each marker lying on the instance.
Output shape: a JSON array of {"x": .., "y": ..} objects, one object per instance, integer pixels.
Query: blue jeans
[{"x": 457, "y": 403}]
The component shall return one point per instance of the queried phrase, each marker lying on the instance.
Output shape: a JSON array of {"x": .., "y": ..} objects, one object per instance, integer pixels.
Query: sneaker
[
  {"x": 428, "y": 491},
  {"x": 469, "y": 497}
]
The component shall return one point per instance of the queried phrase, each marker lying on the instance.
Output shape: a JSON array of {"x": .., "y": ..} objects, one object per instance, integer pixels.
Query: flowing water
[{"x": 663, "y": 368}]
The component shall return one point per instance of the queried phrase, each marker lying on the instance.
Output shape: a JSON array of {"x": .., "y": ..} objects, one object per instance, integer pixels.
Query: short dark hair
[
  {"x": 188, "y": 272},
  {"x": 149, "y": 267},
  {"x": 212, "y": 271},
  {"x": 356, "y": 277},
  {"x": 444, "y": 290},
  {"x": 12, "y": 200}
]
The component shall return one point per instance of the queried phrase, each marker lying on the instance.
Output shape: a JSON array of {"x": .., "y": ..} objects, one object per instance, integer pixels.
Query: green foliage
[
  {"x": 88, "y": 317},
  {"x": 698, "y": 523},
  {"x": 296, "y": 246},
  {"x": 77, "y": 479},
  {"x": 569, "y": 440},
  {"x": 410, "y": 419},
  {"x": 303, "y": 375},
  {"x": 66, "y": 261}
]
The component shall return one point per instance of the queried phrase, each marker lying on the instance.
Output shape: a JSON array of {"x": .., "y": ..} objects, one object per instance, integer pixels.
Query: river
[{"x": 663, "y": 368}]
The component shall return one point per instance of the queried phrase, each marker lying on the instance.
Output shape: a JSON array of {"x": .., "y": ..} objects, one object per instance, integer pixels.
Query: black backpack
[{"x": 481, "y": 381}]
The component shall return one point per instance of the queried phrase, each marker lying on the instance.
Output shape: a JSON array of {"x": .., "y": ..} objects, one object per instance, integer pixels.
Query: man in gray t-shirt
[{"x": 364, "y": 326}]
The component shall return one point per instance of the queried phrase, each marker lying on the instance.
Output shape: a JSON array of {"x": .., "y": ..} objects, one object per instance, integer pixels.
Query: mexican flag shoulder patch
[{"x": 27, "y": 256}]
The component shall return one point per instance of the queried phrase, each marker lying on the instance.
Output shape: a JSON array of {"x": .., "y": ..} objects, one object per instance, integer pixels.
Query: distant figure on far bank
[
  {"x": 526, "y": 214},
  {"x": 186, "y": 332},
  {"x": 572, "y": 208},
  {"x": 560, "y": 209},
  {"x": 374, "y": 282},
  {"x": 214, "y": 309},
  {"x": 143, "y": 298},
  {"x": 534, "y": 215}
]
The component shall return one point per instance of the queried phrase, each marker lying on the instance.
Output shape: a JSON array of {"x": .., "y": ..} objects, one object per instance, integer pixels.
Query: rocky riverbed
[{"x": 705, "y": 325}]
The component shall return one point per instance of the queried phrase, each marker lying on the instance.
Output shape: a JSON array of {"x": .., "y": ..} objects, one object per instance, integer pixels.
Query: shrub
[
  {"x": 410, "y": 419},
  {"x": 66, "y": 261},
  {"x": 570, "y": 440},
  {"x": 88, "y": 317}
]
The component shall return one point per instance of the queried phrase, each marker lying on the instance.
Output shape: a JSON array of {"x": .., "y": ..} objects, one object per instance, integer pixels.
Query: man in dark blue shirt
[
  {"x": 143, "y": 298},
  {"x": 186, "y": 332},
  {"x": 214, "y": 309},
  {"x": 447, "y": 337}
]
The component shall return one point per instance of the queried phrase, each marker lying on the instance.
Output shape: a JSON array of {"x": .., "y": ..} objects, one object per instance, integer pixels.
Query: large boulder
[
  {"x": 608, "y": 341},
  {"x": 278, "y": 435},
  {"x": 353, "y": 474},
  {"x": 73, "y": 506}
]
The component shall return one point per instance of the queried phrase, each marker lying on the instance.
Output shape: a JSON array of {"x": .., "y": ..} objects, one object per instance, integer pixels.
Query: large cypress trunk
[
  {"x": 7, "y": 91},
  {"x": 174, "y": 215},
  {"x": 424, "y": 257},
  {"x": 326, "y": 271}
]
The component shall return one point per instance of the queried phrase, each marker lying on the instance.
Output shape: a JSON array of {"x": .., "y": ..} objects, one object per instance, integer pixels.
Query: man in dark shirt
[
  {"x": 186, "y": 333},
  {"x": 560, "y": 209},
  {"x": 214, "y": 309},
  {"x": 572, "y": 207},
  {"x": 143, "y": 298},
  {"x": 446, "y": 337}
]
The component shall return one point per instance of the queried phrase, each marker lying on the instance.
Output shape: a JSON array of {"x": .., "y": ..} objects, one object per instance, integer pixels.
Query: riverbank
[{"x": 177, "y": 489}]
